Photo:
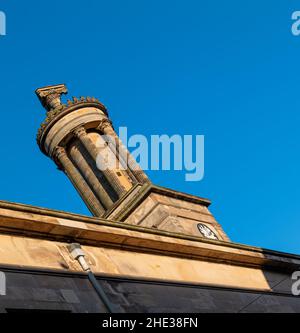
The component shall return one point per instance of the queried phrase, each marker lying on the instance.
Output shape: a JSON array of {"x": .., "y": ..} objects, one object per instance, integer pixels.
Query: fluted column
[
  {"x": 78, "y": 181},
  {"x": 112, "y": 178},
  {"x": 89, "y": 176},
  {"x": 105, "y": 127}
]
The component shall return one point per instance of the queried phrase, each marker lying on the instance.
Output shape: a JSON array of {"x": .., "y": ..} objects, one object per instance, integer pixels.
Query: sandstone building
[{"x": 151, "y": 249}]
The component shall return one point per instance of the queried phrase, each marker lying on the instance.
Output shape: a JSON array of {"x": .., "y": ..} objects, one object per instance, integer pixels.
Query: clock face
[{"x": 206, "y": 231}]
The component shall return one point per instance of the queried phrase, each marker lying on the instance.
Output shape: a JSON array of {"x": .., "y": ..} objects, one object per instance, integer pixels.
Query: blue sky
[{"x": 228, "y": 70}]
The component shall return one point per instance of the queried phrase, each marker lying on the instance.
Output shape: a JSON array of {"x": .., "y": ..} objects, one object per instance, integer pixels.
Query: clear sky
[{"x": 228, "y": 70}]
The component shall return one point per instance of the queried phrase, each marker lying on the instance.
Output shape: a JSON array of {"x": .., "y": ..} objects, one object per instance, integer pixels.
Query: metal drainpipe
[{"x": 78, "y": 254}]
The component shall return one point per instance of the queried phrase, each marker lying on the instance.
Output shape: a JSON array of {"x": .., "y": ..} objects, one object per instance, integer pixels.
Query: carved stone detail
[
  {"x": 57, "y": 107},
  {"x": 79, "y": 132},
  {"x": 106, "y": 126},
  {"x": 50, "y": 96}
]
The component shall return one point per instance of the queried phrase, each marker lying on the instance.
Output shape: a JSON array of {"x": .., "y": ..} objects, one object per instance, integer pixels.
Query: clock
[{"x": 206, "y": 231}]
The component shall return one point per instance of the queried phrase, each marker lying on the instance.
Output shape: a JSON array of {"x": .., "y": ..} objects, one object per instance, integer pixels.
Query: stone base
[{"x": 156, "y": 207}]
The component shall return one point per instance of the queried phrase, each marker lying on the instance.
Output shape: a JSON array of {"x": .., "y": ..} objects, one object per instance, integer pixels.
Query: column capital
[
  {"x": 59, "y": 155},
  {"x": 59, "y": 152},
  {"x": 79, "y": 131},
  {"x": 104, "y": 125},
  {"x": 50, "y": 96}
]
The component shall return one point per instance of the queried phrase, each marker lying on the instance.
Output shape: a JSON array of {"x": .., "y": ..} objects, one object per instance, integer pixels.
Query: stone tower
[
  {"x": 80, "y": 139},
  {"x": 72, "y": 136}
]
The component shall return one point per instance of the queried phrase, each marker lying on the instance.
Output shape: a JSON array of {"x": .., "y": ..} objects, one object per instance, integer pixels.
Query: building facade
[{"x": 146, "y": 248}]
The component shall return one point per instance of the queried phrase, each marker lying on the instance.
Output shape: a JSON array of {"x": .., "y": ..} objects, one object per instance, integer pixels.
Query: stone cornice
[{"x": 41, "y": 223}]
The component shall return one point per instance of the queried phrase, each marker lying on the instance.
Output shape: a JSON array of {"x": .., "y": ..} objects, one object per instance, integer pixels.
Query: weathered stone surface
[
  {"x": 165, "y": 212},
  {"x": 85, "y": 121}
]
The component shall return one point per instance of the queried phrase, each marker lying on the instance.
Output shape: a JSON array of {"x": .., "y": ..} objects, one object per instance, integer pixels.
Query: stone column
[
  {"x": 78, "y": 181},
  {"x": 105, "y": 127},
  {"x": 112, "y": 178},
  {"x": 90, "y": 176}
]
